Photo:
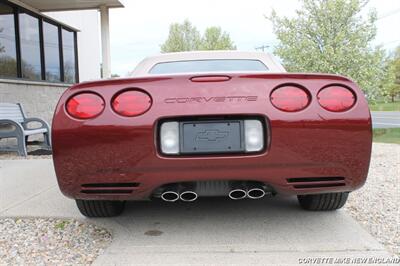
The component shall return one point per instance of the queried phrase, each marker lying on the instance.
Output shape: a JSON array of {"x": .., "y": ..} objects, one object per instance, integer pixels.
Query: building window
[
  {"x": 30, "y": 47},
  {"x": 35, "y": 48},
  {"x": 8, "y": 54},
  {"x": 51, "y": 52},
  {"x": 68, "y": 55}
]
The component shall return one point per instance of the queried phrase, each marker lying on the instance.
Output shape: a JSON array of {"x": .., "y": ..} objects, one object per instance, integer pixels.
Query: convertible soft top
[{"x": 144, "y": 67}]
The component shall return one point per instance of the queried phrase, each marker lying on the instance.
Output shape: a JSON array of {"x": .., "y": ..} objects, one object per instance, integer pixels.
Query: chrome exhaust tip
[
  {"x": 188, "y": 196},
  {"x": 170, "y": 196},
  {"x": 237, "y": 194},
  {"x": 255, "y": 193}
]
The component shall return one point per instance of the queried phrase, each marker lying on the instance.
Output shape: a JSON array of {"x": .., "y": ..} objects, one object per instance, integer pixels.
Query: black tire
[
  {"x": 100, "y": 208},
  {"x": 323, "y": 202}
]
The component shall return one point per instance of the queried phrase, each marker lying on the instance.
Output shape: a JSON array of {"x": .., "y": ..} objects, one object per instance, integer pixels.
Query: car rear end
[{"x": 211, "y": 134}]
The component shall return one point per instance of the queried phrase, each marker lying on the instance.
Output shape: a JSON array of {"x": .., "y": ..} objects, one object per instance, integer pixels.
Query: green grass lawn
[
  {"x": 382, "y": 106},
  {"x": 387, "y": 135}
]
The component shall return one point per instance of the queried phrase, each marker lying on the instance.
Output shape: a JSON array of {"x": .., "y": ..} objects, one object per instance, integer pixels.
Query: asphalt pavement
[
  {"x": 385, "y": 119},
  {"x": 207, "y": 232}
]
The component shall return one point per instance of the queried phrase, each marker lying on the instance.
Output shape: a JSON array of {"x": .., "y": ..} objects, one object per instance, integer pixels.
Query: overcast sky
[{"x": 141, "y": 27}]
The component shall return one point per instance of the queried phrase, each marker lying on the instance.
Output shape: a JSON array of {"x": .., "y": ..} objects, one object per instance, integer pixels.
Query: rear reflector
[
  {"x": 336, "y": 98},
  {"x": 131, "y": 103},
  {"x": 85, "y": 105},
  {"x": 290, "y": 98}
]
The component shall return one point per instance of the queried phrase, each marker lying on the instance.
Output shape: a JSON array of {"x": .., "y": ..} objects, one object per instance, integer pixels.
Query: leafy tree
[
  {"x": 182, "y": 37},
  {"x": 2, "y": 49},
  {"x": 331, "y": 36},
  {"x": 8, "y": 66},
  {"x": 186, "y": 37},
  {"x": 392, "y": 84},
  {"x": 215, "y": 39}
]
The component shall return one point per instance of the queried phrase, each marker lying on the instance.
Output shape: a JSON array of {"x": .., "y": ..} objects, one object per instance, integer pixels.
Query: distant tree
[
  {"x": 186, "y": 37},
  {"x": 2, "y": 49},
  {"x": 331, "y": 36},
  {"x": 215, "y": 39},
  {"x": 8, "y": 66},
  {"x": 391, "y": 88},
  {"x": 115, "y": 76},
  {"x": 182, "y": 37}
]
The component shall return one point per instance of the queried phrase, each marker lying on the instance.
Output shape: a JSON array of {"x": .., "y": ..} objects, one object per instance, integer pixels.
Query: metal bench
[{"x": 14, "y": 124}]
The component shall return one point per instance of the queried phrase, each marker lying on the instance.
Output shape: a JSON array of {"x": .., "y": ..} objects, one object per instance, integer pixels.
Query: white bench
[{"x": 14, "y": 124}]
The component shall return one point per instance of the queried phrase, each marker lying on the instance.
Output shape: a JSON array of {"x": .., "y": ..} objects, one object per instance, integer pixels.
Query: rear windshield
[{"x": 212, "y": 65}]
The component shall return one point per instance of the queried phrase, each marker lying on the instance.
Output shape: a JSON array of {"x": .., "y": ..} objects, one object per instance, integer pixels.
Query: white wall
[
  {"x": 39, "y": 99},
  {"x": 87, "y": 21}
]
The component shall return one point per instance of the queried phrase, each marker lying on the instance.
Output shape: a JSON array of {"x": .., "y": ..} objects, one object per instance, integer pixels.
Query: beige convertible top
[{"x": 144, "y": 67}]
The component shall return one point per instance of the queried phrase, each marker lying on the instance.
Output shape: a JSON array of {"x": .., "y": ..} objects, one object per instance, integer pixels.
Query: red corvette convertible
[{"x": 201, "y": 124}]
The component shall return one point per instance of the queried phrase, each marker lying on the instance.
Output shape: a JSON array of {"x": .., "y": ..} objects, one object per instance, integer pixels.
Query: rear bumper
[{"x": 336, "y": 150}]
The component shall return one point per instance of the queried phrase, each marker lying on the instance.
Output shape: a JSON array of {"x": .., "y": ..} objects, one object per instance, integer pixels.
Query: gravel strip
[
  {"x": 40, "y": 241},
  {"x": 10, "y": 156},
  {"x": 15, "y": 156},
  {"x": 376, "y": 205}
]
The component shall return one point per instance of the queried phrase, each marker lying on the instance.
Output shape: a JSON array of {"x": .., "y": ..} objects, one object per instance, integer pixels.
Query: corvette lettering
[{"x": 218, "y": 99}]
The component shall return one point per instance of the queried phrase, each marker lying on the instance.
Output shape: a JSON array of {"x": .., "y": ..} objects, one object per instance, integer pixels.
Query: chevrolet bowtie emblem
[{"x": 212, "y": 135}]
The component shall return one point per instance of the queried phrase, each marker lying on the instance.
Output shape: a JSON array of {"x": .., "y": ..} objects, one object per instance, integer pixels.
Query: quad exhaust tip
[
  {"x": 170, "y": 196},
  {"x": 238, "y": 191},
  {"x": 256, "y": 193},
  {"x": 237, "y": 194},
  {"x": 188, "y": 196}
]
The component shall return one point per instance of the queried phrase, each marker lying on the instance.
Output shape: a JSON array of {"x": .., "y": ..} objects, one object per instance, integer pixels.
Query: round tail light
[
  {"x": 336, "y": 98},
  {"x": 290, "y": 98},
  {"x": 85, "y": 105},
  {"x": 131, "y": 103}
]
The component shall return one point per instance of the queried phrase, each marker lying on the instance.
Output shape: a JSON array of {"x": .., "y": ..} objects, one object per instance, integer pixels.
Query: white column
[{"x": 105, "y": 41}]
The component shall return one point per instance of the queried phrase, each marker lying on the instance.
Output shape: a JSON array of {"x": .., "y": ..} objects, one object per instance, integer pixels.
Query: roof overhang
[{"x": 65, "y": 5}]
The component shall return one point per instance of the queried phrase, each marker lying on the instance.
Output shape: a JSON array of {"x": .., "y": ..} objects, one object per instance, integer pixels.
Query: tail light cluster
[
  {"x": 290, "y": 98},
  {"x": 336, "y": 98},
  {"x": 131, "y": 103},
  {"x": 287, "y": 98},
  {"x": 128, "y": 103},
  {"x": 85, "y": 105},
  {"x": 294, "y": 98}
]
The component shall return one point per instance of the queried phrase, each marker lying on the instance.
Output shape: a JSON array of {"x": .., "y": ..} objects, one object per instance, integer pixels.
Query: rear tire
[
  {"x": 323, "y": 202},
  {"x": 100, "y": 208}
]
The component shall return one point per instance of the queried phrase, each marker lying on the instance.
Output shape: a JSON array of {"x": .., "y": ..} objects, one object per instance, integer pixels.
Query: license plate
[{"x": 212, "y": 136}]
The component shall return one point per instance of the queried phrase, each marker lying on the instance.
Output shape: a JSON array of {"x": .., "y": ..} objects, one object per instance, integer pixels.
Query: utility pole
[{"x": 262, "y": 47}]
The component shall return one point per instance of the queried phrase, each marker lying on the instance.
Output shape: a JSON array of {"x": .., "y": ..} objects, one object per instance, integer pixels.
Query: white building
[{"x": 47, "y": 45}]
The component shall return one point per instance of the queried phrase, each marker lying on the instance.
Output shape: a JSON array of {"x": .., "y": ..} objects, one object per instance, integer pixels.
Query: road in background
[{"x": 385, "y": 119}]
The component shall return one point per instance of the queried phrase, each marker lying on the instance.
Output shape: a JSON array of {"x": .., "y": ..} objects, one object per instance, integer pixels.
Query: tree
[
  {"x": 215, "y": 39},
  {"x": 186, "y": 37},
  {"x": 2, "y": 49},
  {"x": 331, "y": 36},
  {"x": 392, "y": 80},
  {"x": 8, "y": 66},
  {"x": 182, "y": 37}
]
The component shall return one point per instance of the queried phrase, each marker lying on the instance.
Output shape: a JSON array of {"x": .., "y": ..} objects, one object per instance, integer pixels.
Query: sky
[{"x": 138, "y": 30}]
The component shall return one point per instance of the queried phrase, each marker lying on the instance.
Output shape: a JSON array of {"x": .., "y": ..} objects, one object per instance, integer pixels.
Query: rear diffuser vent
[
  {"x": 109, "y": 188},
  {"x": 316, "y": 182}
]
